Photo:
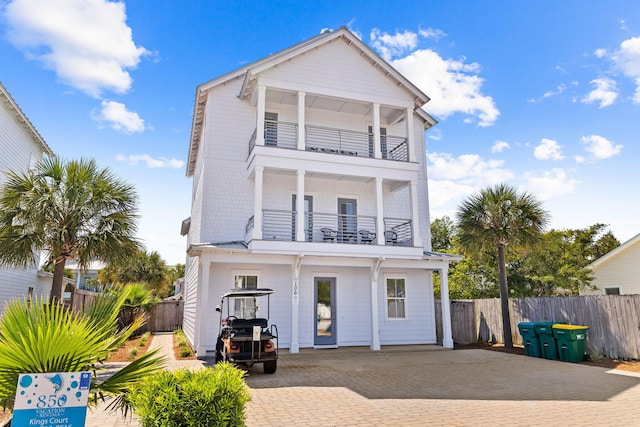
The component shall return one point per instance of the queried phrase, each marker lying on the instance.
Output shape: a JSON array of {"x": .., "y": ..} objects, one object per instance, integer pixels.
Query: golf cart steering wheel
[{"x": 231, "y": 318}]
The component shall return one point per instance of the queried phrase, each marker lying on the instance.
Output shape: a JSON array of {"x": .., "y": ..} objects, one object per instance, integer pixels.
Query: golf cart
[{"x": 244, "y": 338}]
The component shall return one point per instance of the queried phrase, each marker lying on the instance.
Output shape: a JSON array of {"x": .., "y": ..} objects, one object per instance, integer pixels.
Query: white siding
[
  {"x": 17, "y": 152},
  {"x": 337, "y": 67},
  {"x": 620, "y": 271}
]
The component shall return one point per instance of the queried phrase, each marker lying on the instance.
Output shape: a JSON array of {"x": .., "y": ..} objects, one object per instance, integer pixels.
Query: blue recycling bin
[{"x": 530, "y": 339}]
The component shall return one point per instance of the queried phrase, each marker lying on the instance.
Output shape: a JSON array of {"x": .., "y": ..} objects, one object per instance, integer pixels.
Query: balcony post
[
  {"x": 415, "y": 218},
  {"x": 261, "y": 108},
  {"x": 257, "y": 203},
  {"x": 410, "y": 136},
  {"x": 300, "y": 223},
  {"x": 377, "y": 153},
  {"x": 379, "y": 213},
  {"x": 301, "y": 122}
]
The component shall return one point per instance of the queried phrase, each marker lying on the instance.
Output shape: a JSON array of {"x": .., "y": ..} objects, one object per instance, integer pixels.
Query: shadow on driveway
[{"x": 430, "y": 372}]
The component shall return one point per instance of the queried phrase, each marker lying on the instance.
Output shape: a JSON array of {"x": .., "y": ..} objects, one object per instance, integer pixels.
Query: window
[
  {"x": 396, "y": 297},
  {"x": 244, "y": 308},
  {"x": 612, "y": 291}
]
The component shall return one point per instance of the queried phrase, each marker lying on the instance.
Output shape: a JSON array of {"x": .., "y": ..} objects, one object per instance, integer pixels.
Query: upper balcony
[{"x": 328, "y": 140}]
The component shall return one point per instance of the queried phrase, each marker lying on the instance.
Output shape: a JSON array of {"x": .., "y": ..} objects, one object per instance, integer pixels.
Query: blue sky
[{"x": 542, "y": 95}]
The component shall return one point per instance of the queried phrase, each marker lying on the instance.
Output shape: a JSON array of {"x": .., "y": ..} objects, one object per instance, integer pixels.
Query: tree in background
[
  {"x": 497, "y": 218},
  {"x": 143, "y": 267},
  {"x": 72, "y": 210}
]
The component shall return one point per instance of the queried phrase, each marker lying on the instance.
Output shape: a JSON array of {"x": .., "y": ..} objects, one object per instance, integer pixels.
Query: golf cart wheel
[
  {"x": 270, "y": 367},
  {"x": 219, "y": 357}
]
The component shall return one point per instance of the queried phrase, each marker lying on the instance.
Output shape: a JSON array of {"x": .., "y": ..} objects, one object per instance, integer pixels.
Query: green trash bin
[
  {"x": 571, "y": 340},
  {"x": 548, "y": 347},
  {"x": 530, "y": 339}
]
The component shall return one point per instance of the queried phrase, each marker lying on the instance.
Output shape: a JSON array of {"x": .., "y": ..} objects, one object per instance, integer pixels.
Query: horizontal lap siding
[
  {"x": 190, "y": 298},
  {"x": 621, "y": 271},
  {"x": 17, "y": 150},
  {"x": 419, "y": 326}
]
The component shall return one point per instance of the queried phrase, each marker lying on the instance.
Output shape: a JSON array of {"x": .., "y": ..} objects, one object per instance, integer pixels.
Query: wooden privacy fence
[
  {"x": 164, "y": 316},
  {"x": 613, "y": 320}
]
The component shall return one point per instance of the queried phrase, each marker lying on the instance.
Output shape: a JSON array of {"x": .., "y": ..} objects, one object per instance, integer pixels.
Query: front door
[{"x": 325, "y": 311}]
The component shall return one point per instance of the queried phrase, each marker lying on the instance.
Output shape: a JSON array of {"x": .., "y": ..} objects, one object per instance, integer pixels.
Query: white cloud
[
  {"x": 430, "y": 33},
  {"x": 605, "y": 92},
  {"x": 120, "y": 118},
  {"x": 160, "y": 162},
  {"x": 86, "y": 42},
  {"x": 600, "y": 53},
  {"x": 548, "y": 184},
  {"x": 390, "y": 46},
  {"x": 548, "y": 149},
  {"x": 600, "y": 147},
  {"x": 627, "y": 59},
  {"x": 470, "y": 168},
  {"x": 453, "y": 86},
  {"x": 499, "y": 146}
]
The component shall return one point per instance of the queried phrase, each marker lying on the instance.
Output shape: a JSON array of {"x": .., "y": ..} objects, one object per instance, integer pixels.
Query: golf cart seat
[{"x": 247, "y": 323}]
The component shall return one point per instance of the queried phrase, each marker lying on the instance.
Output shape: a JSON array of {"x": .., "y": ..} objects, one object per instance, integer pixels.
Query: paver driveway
[{"x": 426, "y": 385}]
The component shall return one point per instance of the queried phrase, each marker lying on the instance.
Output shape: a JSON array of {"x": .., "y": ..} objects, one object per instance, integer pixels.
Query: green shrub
[
  {"x": 208, "y": 397},
  {"x": 132, "y": 352},
  {"x": 184, "y": 348},
  {"x": 144, "y": 339}
]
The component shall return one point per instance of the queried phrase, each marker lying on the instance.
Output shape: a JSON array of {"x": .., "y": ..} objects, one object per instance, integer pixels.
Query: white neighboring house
[
  {"x": 617, "y": 272},
  {"x": 309, "y": 177},
  {"x": 85, "y": 278},
  {"x": 20, "y": 146}
]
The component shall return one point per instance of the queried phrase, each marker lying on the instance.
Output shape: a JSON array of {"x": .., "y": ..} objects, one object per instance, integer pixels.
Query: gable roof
[
  {"x": 250, "y": 71},
  {"x": 22, "y": 120},
  {"x": 611, "y": 254}
]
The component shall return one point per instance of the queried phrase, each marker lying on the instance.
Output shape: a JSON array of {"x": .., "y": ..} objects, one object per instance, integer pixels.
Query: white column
[
  {"x": 447, "y": 338},
  {"x": 410, "y": 136},
  {"x": 204, "y": 313},
  {"x": 262, "y": 96},
  {"x": 375, "y": 329},
  {"x": 300, "y": 223},
  {"x": 379, "y": 213},
  {"x": 301, "y": 122},
  {"x": 257, "y": 202},
  {"x": 376, "y": 131},
  {"x": 294, "y": 347},
  {"x": 415, "y": 218}
]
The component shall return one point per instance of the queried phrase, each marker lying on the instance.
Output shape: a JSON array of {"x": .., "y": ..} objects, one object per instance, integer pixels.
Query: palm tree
[
  {"x": 69, "y": 209},
  {"x": 38, "y": 338},
  {"x": 494, "y": 219}
]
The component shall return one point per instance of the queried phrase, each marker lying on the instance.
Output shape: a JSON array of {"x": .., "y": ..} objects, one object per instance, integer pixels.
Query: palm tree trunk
[
  {"x": 504, "y": 298},
  {"x": 56, "y": 286}
]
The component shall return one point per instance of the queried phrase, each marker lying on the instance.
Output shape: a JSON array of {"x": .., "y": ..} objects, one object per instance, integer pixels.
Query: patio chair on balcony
[
  {"x": 328, "y": 235},
  {"x": 366, "y": 236},
  {"x": 391, "y": 237}
]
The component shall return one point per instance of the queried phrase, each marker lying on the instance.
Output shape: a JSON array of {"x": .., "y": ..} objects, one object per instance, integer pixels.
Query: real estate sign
[{"x": 52, "y": 399}]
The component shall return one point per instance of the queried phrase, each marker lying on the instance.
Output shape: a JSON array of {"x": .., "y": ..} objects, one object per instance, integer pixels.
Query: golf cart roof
[{"x": 235, "y": 293}]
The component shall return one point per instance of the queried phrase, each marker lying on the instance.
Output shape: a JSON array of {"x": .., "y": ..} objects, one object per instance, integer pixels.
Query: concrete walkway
[{"x": 426, "y": 385}]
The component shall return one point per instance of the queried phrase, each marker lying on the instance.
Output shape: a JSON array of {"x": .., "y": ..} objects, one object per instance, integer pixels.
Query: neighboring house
[
  {"x": 87, "y": 278},
  {"x": 20, "y": 146},
  {"x": 617, "y": 272},
  {"x": 309, "y": 178}
]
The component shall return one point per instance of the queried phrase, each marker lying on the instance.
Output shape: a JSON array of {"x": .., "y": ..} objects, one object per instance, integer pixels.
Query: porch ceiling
[
  {"x": 387, "y": 114},
  {"x": 335, "y": 177}
]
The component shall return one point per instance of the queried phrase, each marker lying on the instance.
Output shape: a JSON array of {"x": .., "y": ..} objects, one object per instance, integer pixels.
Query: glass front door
[{"x": 325, "y": 311}]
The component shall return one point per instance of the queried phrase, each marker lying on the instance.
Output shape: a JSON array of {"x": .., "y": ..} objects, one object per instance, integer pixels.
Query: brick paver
[{"x": 426, "y": 385}]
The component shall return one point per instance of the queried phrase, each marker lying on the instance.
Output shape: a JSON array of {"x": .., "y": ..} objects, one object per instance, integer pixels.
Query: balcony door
[
  {"x": 271, "y": 129},
  {"x": 383, "y": 142},
  {"x": 347, "y": 221},
  {"x": 308, "y": 218}
]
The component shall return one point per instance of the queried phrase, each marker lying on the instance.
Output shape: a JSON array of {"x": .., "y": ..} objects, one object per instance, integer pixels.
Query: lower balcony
[{"x": 280, "y": 225}]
